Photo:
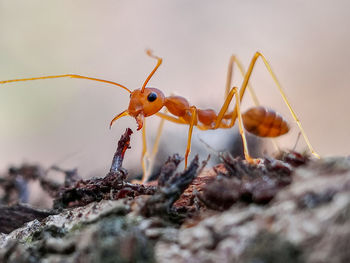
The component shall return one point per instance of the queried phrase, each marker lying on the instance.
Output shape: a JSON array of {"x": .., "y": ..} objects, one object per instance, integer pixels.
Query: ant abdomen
[{"x": 264, "y": 122}]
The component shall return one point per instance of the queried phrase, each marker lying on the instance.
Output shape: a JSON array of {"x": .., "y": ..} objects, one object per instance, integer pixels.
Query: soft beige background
[{"x": 65, "y": 121}]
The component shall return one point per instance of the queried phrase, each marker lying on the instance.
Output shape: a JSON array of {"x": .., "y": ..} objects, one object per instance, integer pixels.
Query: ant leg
[
  {"x": 224, "y": 107},
  {"x": 144, "y": 154},
  {"x": 229, "y": 93},
  {"x": 159, "y": 133},
  {"x": 189, "y": 139},
  {"x": 155, "y": 148},
  {"x": 170, "y": 118},
  {"x": 192, "y": 123},
  {"x": 229, "y": 75},
  {"x": 269, "y": 69},
  {"x": 157, "y": 140},
  {"x": 234, "y": 59},
  {"x": 219, "y": 124},
  {"x": 66, "y": 76},
  {"x": 241, "y": 128}
]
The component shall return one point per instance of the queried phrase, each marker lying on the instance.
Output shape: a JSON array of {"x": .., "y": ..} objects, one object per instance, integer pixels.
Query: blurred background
[{"x": 65, "y": 121}]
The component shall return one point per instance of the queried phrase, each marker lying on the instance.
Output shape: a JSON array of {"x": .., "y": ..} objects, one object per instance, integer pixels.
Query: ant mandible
[{"x": 147, "y": 101}]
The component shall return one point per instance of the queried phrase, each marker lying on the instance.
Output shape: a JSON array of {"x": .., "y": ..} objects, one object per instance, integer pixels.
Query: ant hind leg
[{"x": 269, "y": 69}]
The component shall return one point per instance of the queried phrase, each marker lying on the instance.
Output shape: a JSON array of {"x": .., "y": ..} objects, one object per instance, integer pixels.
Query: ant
[{"x": 147, "y": 101}]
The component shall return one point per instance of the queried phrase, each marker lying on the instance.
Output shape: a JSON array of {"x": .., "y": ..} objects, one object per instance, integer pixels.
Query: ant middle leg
[
  {"x": 192, "y": 122},
  {"x": 219, "y": 121},
  {"x": 229, "y": 93}
]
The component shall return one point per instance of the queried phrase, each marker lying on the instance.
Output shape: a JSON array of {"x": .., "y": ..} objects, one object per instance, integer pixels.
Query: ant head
[{"x": 144, "y": 104}]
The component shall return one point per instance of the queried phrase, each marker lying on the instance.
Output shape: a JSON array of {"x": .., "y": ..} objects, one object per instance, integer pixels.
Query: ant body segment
[{"x": 147, "y": 101}]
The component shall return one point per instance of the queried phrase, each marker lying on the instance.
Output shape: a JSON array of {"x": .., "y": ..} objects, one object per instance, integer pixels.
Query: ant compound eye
[{"x": 152, "y": 97}]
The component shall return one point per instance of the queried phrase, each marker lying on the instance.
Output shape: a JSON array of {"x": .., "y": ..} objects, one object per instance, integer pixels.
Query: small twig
[
  {"x": 123, "y": 145},
  {"x": 112, "y": 186}
]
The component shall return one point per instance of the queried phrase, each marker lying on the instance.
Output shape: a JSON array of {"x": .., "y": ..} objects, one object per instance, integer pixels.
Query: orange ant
[{"x": 147, "y": 101}]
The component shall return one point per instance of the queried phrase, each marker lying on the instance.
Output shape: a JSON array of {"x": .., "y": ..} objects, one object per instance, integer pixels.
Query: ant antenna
[
  {"x": 69, "y": 76},
  {"x": 150, "y": 53}
]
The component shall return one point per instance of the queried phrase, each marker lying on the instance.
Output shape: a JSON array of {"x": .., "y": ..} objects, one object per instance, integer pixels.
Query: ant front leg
[
  {"x": 147, "y": 169},
  {"x": 144, "y": 154}
]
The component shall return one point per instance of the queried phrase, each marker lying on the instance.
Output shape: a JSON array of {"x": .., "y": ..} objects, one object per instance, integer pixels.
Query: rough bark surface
[{"x": 289, "y": 210}]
